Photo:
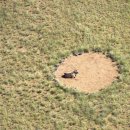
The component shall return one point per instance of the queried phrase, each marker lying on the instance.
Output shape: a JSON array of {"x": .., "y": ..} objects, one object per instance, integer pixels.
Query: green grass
[{"x": 34, "y": 37}]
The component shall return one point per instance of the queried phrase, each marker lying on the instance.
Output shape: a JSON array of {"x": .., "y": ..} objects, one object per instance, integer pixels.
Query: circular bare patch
[{"x": 95, "y": 71}]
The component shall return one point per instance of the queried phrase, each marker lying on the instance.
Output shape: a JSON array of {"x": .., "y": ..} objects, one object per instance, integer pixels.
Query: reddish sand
[{"x": 96, "y": 71}]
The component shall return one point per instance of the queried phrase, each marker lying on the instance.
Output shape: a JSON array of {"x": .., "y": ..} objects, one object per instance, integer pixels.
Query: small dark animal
[
  {"x": 70, "y": 75},
  {"x": 77, "y": 53}
]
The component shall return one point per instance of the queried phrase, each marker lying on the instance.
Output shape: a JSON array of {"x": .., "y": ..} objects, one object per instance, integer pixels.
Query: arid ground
[
  {"x": 95, "y": 72},
  {"x": 35, "y": 37}
]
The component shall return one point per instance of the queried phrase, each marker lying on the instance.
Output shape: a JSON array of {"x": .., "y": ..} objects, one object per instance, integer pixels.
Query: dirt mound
[{"x": 96, "y": 71}]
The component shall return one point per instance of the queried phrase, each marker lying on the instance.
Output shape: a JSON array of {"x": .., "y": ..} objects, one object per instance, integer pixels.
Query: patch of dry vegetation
[{"x": 34, "y": 37}]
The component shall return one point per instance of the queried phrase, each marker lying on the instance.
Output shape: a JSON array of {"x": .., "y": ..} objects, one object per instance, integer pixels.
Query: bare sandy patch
[
  {"x": 96, "y": 72},
  {"x": 22, "y": 49}
]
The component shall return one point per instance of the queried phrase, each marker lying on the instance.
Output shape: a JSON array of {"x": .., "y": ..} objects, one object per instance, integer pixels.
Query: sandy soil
[{"x": 96, "y": 71}]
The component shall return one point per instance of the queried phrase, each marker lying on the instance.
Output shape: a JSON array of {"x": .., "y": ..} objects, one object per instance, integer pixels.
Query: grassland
[{"x": 35, "y": 35}]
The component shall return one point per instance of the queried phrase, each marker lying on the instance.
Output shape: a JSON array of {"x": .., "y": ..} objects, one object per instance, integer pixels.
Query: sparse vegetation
[{"x": 34, "y": 37}]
